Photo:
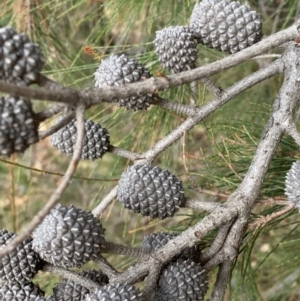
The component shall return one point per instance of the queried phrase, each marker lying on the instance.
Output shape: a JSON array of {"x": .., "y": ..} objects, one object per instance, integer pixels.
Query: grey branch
[
  {"x": 201, "y": 205},
  {"x": 151, "y": 281},
  {"x": 57, "y": 126},
  {"x": 217, "y": 91},
  {"x": 217, "y": 244},
  {"x": 106, "y": 267},
  {"x": 89, "y": 284},
  {"x": 176, "y": 107},
  {"x": 291, "y": 129},
  {"x": 105, "y": 202},
  {"x": 112, "y": 248},
  {"x": 229, "y": 253},
  {"x": 124, "y": 153},
  {"x": 221, "y": 282},
  {"x": 49, "y": 112}
]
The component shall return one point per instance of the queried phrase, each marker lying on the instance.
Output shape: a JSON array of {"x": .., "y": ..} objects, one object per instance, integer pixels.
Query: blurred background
[{"x": 214, "y": 155}]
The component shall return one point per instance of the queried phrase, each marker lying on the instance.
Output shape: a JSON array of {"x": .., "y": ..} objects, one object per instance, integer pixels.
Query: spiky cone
[
  {"x": 68, "y": 237},
  {"x": 176, "y": 48},
  {"x": 21, "y": 264},
  {"x": 95, "y": 143},
  {"x": 150, "y": 191},
  {"x": 20, "y": 292},
  {"x": 119, "y": 70},
  {"x": 292, "y": 185},
  {"x": 20, "y": 60},
  {"x": 115, "y": 292},
  {"x": 68, "y": 290},
  {"x": 18, "y": 129},
  {"x": 225, "y": 25},
  {"x": 42, "y": 298},
  {"x": 155, "y": 241},
  {"x": 182, "y": 280}
]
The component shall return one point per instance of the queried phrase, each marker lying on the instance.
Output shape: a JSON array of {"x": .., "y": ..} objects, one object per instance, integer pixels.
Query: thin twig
[
  {"x": 70, "y": 275},
  {"x": 176, "y": 107},
  {"x": 267, "y": 56},
  {"x": 49, "y": 112},
  {"x": 151, "y": 281},
  {"x": 268, "y": 201},
  {"x": 105, "y": 202},
  {"x": 217, "y": 91},
  {"x": 194, "y": 93},
  {"x": 219, "y": 290},
  {"x": 12, "y": 197},
  {"x": 38, "y": 218},
  {"x": 57, "y": 126},
  {"x": 291, "y": 129},
  {"x": 209, "y": 192},
  {"x": 112, "y": 248},
  {"x": 262, "y": 221},
  {"x": 58, "y": 174},
  {"x": 124, "y": 153},
  {"x": 208, "y": 206},
  {"x": 106, "y": 267},
  {"x": 216, "y": 245}
]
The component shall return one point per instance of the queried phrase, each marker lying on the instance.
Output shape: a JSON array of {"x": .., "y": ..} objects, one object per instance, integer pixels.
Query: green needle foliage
[{"x": 74, "y": 35}]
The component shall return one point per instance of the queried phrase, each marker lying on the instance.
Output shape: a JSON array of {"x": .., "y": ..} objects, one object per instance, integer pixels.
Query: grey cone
[
  {"x": 115, "y": 292},
  {"x": 95, "y": 143},
  {"x": 21, "y": 264},
  {"x": 20, "y": 292},
  {"x": 150, "y": 191},
  {"x": 119, "y": 70},
  {"x": 182, "y": 280},
  {"x": 225, "y": 25},
  {"x": 20, "y": 60},
  {"x": 68, "y": 290},
  {"x": 68, "y": 237},
  {"x": 176, "y": 48},
  {"x": 18, "y": 129}
]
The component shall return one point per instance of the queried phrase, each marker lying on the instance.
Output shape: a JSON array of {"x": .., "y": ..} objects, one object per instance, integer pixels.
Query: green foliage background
[{"x": 217, "y": 152}]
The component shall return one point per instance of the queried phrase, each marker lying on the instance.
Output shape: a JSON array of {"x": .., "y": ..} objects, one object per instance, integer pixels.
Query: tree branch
[
  {"x": 265, "y": 219},
  {"x": 222, "y": 281},
  {"x": 105, "y": 202},
  {"x": 112, "y": 248},
  {"x": 217, "y": 244},
  {"x": 57, "y": 126},
  {"x": 291, "y": 129},
  {"x": 85, "y": 282},
  {"x": 49, "y": 112},
  {"x": 201, "y": 205},
  {"x": 106, "y": 267}
]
